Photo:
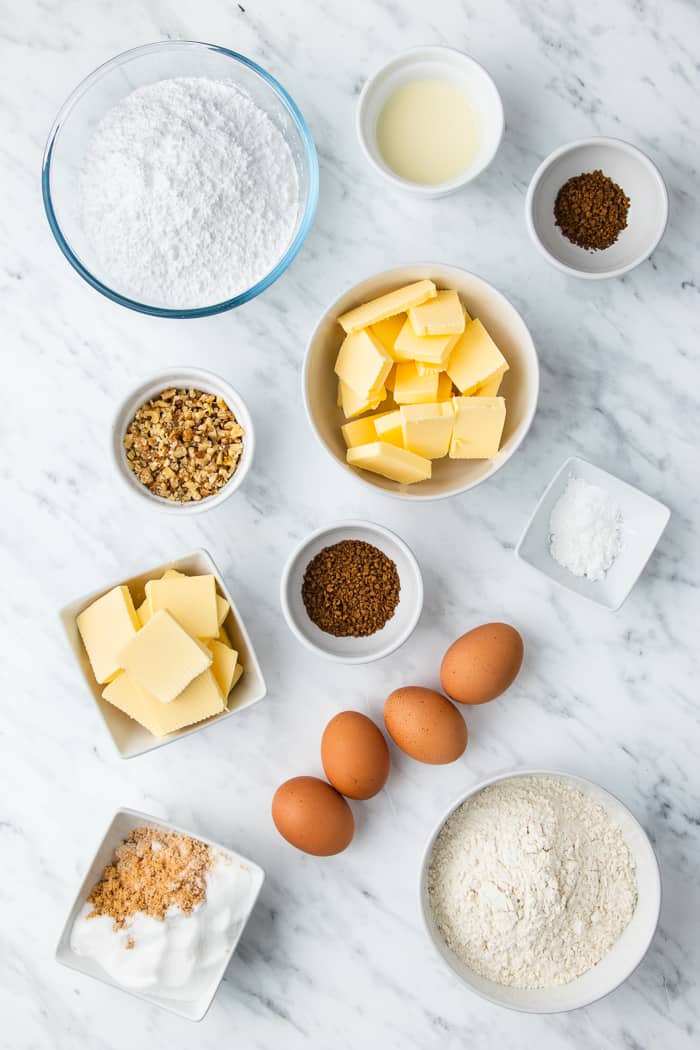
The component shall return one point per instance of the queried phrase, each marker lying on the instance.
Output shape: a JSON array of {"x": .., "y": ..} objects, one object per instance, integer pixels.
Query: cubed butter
[
  {"x": 143, "y": 612},
  {"x": 390, "y": 379},
  {"x": 171, "y": 574},
  {"x": 387, "y": 331},
  {"x": 475, "y": 359},
  {"x": 443, "y": 315},
  {"x": 200, "y": 700},
  {"x": 163, "y": 658},
  {"x": 430, "y": 349},
  {"x": 427, "y": 429},
  {"x": 361, "y": 431},
  {"x": 444, "y": 387},
  {"x": 190, "y": 599},
  {"x": 362, "y": 363},
  {"x": 222, "y": 609},
  {"x": 425, "y": 369},
  {"x": 353, "y": 404},
  {"x": 396, "y": 302},
  {"x": 388, "y": 429},
  {"x": 237, "y": 675},
  {"x": 223, "y": 665},
  {"x": 478, "y": 427},
  {"x": 491, "y": 387},
  {"x": 411, "y": 388},
  {"x": 224, "y": 637},
  {"x": 391, "y": 462},
  {"x": 105, "y": 628}
]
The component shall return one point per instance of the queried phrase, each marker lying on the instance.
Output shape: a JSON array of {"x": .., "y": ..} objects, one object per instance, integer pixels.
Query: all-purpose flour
[
  {"x": 531, "y": 883},
  {"x": 189, "y": 192}
]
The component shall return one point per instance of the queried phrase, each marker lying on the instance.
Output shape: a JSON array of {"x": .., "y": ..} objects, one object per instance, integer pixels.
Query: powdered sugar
[
  {"x": 531, "y": 883},
  {"x": 189, "y": 192},
  {"x": 585, "y": 530}
]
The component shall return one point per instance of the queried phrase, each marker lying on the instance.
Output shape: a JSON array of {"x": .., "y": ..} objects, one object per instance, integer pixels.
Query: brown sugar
[{"x": 152, "y": 871}]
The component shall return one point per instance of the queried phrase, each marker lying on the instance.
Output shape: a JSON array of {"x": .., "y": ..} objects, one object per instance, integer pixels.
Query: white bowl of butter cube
[
  {"x": 421, "y": 381},
  {"x": 164, "y": 653}
]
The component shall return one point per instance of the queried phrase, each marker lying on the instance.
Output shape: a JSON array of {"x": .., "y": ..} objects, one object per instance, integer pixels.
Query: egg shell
[
  {"x": 425, "y": 725},
  {"x": 355, "y": 755},
  {"x": 482, "y": 664},
  {"x": 312, "y": 816}
]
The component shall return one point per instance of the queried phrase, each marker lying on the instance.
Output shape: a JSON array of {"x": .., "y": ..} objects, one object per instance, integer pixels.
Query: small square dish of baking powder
[{"x": 592, "y": 533}]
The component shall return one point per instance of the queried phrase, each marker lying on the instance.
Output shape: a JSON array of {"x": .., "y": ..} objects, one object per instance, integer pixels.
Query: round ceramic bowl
[
  {"x": 187, "y": 378},
  {"x": 629, "y": 168},
  {"x": 353, "y": 650},
  {"x": 432, "y": 63},
  {"x": 79, "y": 116},
  {"x": 623, "y": 958},
  {"x": 520, "y": 385}
]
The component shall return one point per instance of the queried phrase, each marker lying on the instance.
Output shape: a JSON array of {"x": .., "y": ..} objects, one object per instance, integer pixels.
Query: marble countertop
[{"x": 334, "y": 955}]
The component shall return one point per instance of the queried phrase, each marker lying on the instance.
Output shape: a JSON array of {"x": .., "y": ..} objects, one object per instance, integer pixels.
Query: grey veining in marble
[{"x": 334, "y": 955}]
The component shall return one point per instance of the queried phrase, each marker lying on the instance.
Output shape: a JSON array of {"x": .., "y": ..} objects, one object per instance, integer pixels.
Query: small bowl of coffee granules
[
  {"x": 183, "y": 441},
  {"x": 352, "y": 592},
  {"x": 596, "y": 208}
]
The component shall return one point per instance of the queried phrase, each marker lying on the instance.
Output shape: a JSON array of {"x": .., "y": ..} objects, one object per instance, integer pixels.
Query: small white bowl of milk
[{"x": 430, "y": 120}]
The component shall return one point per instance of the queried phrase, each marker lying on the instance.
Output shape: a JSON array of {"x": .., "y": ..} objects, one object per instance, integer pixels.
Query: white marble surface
[{"x": 334, "y": 955}]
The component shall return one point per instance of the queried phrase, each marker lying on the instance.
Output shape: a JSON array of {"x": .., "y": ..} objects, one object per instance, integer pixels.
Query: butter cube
[
  {"x": 163, "y": 658},
  {"x": 171, "y": 574},
  {"x": 430, "y": 349},
  {"x": 387, "y": 331},
  {"x": 388, "y": 305},
  {"x": 144, "y": 612},
  {"x": 491, "y": 387},
  {"x": 390, "y": 379},
  {"x": 475, "y": 359},
  {"x": 443, "y": 315},
  {"x": 190, "y": 599},
  {"x": 223, "y": 665},
  {"x": 411, "y": 388},
  {"x": 425, "y": 369},
  {"x": 354, "y": 404},
  {"x": 224, "y": 637},
  {"x": 391, "y": 462},
  {"x": 222, "y": 609},
  {"x": 361, "y": 431},
  {"x": 388, "y": 429},
  {"x": 427, "y": 429},
  {"x": 478, "y": 427},
  {"x": 237, "y": 675},
  {"x": 105, "y": 627},
  {"x": 362, "y": 363},
  {"x": 444, "y": 387},
  {"x": 200, "y": 700}
]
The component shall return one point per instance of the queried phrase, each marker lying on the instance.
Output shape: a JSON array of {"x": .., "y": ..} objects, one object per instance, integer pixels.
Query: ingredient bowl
[
  {"x": 622, "y": 959},
  {"x": 520, "y": 384},
  {"x": 644, "y": 520},
  {"x": 121, "y": 825},
  {"x": 633, "y": 172},
  {"x": 80, "y": 115},
  {"x": 353, "y": 650},
  {"x": 183, "y": 378},
  {"x": 432, "y": 63}
]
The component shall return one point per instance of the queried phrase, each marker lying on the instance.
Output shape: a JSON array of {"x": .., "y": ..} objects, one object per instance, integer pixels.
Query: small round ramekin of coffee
[
  {"x": 596, "y": 208},
  {"x": 352, "y": 592}
]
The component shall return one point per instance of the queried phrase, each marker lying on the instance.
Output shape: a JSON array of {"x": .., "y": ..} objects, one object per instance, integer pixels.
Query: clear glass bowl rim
[{"x": 309, "y": 204}]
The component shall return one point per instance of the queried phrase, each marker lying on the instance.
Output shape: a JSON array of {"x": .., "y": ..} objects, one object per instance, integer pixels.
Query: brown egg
[
  {"x": 425, "y": 725},
  {"x": 311, "y": 815},
  {"x": 355, "y": 755},
  {"x": 481, "y": 664}
]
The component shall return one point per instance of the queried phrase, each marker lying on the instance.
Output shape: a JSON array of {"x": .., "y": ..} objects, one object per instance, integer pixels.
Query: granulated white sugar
[{"x": 189, "y": 193}]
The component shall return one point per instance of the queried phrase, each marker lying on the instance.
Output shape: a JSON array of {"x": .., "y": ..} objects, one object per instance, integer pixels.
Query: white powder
[
  {"x": 531, "y": 883},
  {"x": 189, "y": 193},
  {"x": 585, "y": 530}
]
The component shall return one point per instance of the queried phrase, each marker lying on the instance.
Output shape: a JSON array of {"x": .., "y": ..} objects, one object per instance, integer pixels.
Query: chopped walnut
[{"x": 184, "y": 445}]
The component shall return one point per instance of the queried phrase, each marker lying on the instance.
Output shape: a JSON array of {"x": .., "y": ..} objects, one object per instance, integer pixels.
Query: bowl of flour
[
  {"x": 180, "y": 179},
  {"x": 540, "y": 890}
]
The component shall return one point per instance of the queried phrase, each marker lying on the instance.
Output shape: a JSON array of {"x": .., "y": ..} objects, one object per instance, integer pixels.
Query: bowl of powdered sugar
[
  {"x": 540, "y": 890},
  {"x": 180, "y": 179}
]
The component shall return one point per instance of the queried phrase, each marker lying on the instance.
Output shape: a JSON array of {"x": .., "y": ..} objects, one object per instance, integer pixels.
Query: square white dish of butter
[{"x": 164, "y": 654}]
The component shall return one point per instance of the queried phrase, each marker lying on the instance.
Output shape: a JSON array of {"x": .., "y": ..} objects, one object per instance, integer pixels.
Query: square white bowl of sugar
[
  {"x": 640, "y": 521},
  {"x": 219, "y": 934}
]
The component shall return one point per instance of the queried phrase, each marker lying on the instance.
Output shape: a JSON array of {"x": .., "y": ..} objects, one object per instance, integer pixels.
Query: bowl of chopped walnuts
[{"x": 183, "y": 440}]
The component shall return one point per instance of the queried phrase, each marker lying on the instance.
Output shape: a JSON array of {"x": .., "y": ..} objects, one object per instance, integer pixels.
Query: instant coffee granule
[
  {"x": 350, "y": 589},
  {"x": 591, "y": 210}
]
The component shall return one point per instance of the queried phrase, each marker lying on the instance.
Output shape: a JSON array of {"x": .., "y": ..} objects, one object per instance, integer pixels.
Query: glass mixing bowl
[{"x": 81, "y": 113}]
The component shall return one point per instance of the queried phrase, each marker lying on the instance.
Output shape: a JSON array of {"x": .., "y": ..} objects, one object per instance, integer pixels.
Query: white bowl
[
  {"x": 437, "y": 63},
  {"x": 122, "y": 824},
  {"x": 190, "y": 378},
  {"x": 629, "y": 168},
  {"x": 644, "y": 520},
  {"x": 623, "y": 958},
  {"x": 128, "y": 737},
  {"x": 353, "y": 650},
  {"x": 520, "y": 385}
]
